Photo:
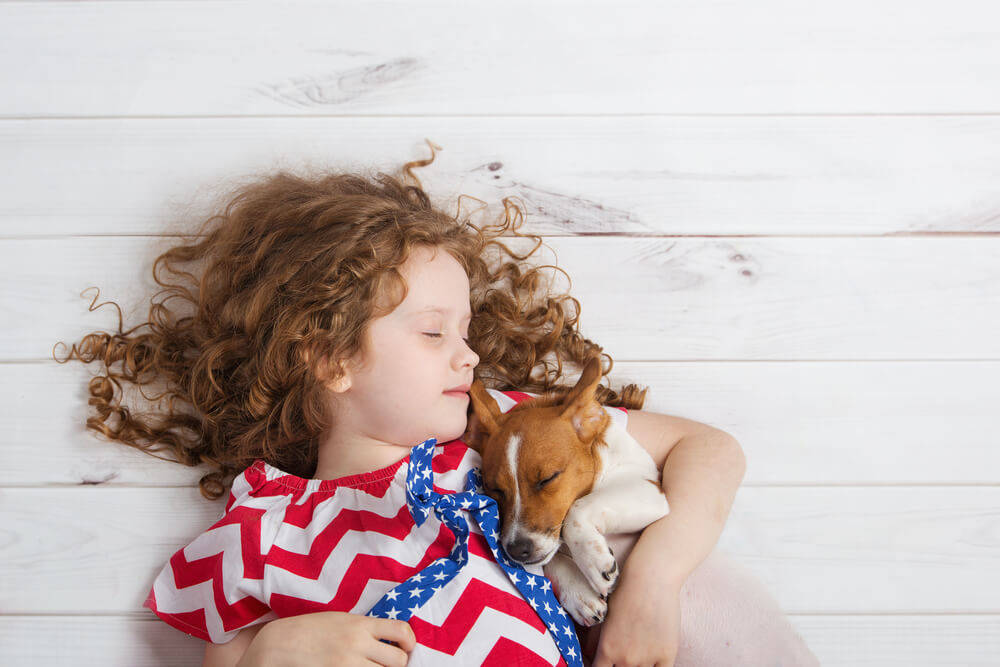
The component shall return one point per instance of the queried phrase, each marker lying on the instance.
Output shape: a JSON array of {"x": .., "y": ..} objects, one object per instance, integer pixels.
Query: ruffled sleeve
[
  {"x": 508, "y": 399},
  {"x": 214, "y": 587}
]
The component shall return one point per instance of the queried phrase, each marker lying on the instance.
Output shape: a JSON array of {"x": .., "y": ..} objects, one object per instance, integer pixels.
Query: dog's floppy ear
[
  {"x": 586, "y": 415},
  {"x": 484, "y": 419},
  {"x": 473, "y": 436}
]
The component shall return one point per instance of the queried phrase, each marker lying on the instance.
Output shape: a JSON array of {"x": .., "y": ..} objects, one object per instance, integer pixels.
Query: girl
[{"x": 330, "y": 317}]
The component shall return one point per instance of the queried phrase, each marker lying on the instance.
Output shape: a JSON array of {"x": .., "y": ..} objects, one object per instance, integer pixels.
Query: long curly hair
[{"x": 289, "y": 274}]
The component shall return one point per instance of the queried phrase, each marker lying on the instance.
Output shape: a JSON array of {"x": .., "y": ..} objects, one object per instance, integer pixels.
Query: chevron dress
[{"x": 286, "y": 545}]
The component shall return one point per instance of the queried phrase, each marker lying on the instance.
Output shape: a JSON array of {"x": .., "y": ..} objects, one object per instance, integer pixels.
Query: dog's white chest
[{"x": 624, "y": 458}]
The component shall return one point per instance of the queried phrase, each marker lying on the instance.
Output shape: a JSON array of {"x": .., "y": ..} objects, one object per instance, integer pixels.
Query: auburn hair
[{"x": 289, "y": 273}]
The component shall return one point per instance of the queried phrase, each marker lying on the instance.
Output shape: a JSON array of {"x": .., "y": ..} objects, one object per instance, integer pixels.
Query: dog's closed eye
[
  {"x": 490, "y": 491},
  {"x": 549, "y": 479}
]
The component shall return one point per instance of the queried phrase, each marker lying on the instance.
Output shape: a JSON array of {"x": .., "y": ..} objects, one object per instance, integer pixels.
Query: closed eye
[
  {"x": 491, "y": 491},
  {"x": 546, "y": 481},
  {"x": 438, "y": 335}
]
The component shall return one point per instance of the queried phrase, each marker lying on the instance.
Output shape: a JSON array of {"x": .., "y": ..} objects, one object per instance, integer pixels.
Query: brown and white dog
[{"x": 564, "y": 475}]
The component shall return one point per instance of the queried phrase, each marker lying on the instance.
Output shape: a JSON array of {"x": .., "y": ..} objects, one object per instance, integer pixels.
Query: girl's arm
[
  {"x": 230, "y": 653},
  {"x": 314, "y": 639},
  {"x": 702, "y": 469}
]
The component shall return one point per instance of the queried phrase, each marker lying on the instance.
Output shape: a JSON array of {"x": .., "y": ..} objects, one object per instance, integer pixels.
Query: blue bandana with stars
[{"x": 406, "y": 598}]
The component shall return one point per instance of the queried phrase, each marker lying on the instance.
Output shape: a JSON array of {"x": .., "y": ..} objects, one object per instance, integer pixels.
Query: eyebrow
[{"x": 438, "y": 309}]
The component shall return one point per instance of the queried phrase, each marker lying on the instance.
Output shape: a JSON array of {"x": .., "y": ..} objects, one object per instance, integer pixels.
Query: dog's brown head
[{"x": 537, "y": 459}]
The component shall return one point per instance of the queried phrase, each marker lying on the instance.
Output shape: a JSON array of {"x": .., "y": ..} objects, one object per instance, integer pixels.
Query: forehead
[
  {"x": 529, "y": 441},
  {"x": 435, "y": 284}
]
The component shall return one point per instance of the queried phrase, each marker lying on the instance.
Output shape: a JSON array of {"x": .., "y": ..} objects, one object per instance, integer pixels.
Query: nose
[
  {"x": 467, "y": 356},
  {"x": 519, "y": 549}
]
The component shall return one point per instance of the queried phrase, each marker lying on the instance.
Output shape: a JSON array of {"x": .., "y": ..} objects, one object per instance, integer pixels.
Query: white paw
[
  {"x": 597, "y": 562},
  {"x": 583, "y": 604}
]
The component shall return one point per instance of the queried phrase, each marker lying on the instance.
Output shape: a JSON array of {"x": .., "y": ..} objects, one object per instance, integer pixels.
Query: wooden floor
[{"x": 784, "y": 218}]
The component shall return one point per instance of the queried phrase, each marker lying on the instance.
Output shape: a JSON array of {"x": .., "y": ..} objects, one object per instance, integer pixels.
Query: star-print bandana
[{"x": 406, "y": 598}]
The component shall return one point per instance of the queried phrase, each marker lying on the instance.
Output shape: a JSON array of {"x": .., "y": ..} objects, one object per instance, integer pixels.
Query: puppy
[{"x": 564, "y": 474}]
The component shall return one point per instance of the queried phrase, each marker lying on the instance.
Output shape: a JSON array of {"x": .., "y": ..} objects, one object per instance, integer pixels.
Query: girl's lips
[{"x": 456, "y": 394}]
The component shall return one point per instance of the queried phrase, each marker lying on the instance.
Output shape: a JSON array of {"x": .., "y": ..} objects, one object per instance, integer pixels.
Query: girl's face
[{"x": 416, "y": 353}]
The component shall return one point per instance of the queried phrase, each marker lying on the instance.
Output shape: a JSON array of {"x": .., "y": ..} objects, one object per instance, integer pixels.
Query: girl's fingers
[
  {"x": 395, "y": 631},
  {"x": 387, "y": 654}
]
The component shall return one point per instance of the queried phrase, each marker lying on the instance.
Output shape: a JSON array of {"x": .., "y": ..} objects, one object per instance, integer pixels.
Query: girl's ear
[
  {"x": 321, "y": 366},
  {"x": 341, "y": 384}
]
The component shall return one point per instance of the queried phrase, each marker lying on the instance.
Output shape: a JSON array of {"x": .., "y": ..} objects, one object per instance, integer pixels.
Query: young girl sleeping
[{"x": 336, "y": 324}]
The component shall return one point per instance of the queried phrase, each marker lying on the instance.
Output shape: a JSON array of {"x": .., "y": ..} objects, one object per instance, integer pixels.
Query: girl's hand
[
  {"x": 642, "y": 627},
  {"x": 330, "y": 638}
]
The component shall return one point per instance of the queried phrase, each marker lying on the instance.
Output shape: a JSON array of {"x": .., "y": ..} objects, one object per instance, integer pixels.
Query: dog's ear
[
  {"x": 483, "y": 419},
  {"x": 474, "y": 435},
  {"x": 586, "y": 415}
]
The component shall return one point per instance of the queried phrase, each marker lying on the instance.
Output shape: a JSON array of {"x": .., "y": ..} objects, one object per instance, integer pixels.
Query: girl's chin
[{"x": 453, "y": 430}]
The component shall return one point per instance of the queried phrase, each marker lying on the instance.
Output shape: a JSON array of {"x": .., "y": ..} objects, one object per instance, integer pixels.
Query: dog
[{"x": 564, "y": 474}]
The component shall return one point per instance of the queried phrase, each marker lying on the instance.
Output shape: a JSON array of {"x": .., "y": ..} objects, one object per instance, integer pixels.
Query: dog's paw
[
  {"x": 584, "y": 604},
  {"x": 600, "y": 568}
]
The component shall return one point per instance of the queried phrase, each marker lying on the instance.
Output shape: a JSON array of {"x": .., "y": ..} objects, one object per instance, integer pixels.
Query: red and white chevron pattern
[{"x": 287, "y": 546}]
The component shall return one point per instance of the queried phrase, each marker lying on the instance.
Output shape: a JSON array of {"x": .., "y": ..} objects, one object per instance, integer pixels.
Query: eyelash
[
  {"x": 437, "y": 335},
  {"x": 490, "y": 491},
  {"x": 542, "y": 483}
]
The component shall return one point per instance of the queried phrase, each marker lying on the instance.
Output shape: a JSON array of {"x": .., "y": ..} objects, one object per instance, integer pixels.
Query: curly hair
[{"x": 290, "y": 272}]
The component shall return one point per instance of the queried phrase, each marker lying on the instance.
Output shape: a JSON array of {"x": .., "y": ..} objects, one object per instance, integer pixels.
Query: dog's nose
[{"x": 520, "y": 548}]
